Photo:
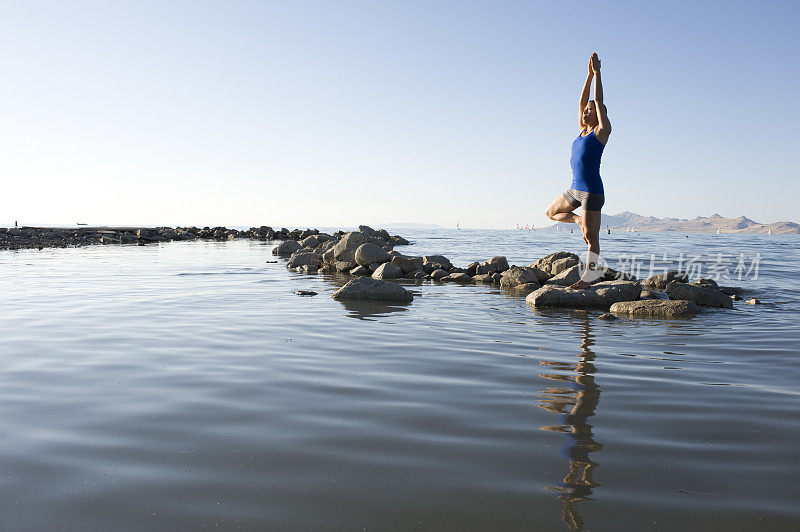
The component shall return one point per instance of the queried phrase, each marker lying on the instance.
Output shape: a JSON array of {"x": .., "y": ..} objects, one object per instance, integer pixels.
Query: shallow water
[{"x": 184, "y": 385}]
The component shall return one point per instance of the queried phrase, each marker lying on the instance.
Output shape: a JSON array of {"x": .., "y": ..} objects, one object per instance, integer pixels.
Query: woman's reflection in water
[{"x": 574, "y": 402}]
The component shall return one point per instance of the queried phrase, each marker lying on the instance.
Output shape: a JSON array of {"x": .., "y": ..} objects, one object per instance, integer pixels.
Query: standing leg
[{"x": 592, "y": 236}]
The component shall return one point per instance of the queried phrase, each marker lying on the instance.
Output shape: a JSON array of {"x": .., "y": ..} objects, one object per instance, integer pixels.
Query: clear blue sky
[{"x": 321, "y": 113}]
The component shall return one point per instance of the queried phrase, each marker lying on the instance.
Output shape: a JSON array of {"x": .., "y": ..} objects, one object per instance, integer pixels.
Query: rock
[
  {"x": 344, "y": 266},
  {"x": 706, "y": 282},
  {"x": 387, "y": 270},
  {"x": 345, "y": 248},
  {"x": 599, "y": 295},
  {"x": 559, "y": 265},
  {"x": 752, "y": 301},
  {"x": 566, "y": 277},
  {"x": 360, "y": 270},
  {"x": 418, "y": 274},
  {"x": 286, "y": 248},
  {"x": 707, "y": 297},
  {"x": 407, "y": 264},
  {"x": 367, "y": 288},
  {"x": 483, "y": 278},
  {"x": 374, "y": 266},
  {"x": 311, "y": 241},
  {"x": 457, "y": 270},
  {"x": 734, "y": 297},
  {"x": 366, "y": 230},
  {"x": 648, "y": 294},
  {"x": 305, "y": 259},
  {"x": 458, "y": 278},
  {"x": 546, "y": 263},
  {"x": 369, "y": 253},
  {"x": 523, "y": 290},
  {"x": 305, "y": 292},
  {"x": 660, "y": 281},
  {"x": 439, "y": 274},
  {"x": 498, "y": 264},
  {"x": 610, "y": 274},
  {"x": 607, "y": 316},
  {"x": 439, "y": 260},
  {"x": 516, "y": 276},
  {"x": 383, "y": 234},
  {"x": 397, "y": 240},
  {"x": 496, "y": 277},
  {"x": 655, "y": 308},
  {"x": 472, "y": 269}
]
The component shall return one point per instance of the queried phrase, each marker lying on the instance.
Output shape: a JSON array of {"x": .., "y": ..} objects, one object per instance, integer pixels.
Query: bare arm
[
  {"x": 604, "y": 125},
  {"x": 585, "y": 96}
]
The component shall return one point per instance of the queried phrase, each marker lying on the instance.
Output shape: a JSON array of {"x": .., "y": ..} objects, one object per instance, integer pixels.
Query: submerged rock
[
  {"x": 660, "y": 281},
  {"x": 701, "y": 295},
  {"x": 367, "y": 288},
  {"x": 599, "y": 295},
  {"x": 522, "y": 290},
  {"x": 655, "y": 308},
  {"x": 607, "y": 316}
]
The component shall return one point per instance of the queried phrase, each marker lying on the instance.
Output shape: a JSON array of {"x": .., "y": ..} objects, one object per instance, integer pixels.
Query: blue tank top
[{"x": 585, "y": 162}]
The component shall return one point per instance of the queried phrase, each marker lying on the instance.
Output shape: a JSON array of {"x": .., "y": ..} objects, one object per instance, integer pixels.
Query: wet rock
[
  {"x": 655, "y": 308},
  {"x": 367, "y": 288},
  {"x": 418, "y": 274},
  {"x": 387, "y": 270},
  {"x": 752, "y": 301},
  {"x": 516, "y": 275},
  {"x": 458, "y": 278},
  {"x": 607, "y": 316},
  {"x": 707, "y": 297},
  {"x": 286, "y": 248},
  {"x": 599, "y": 295},
  {"x": 406, "y": 263},
  {"x": 472, "y": 269},
  {"x": 660, "y": 281},
  {"x": 305, "y": 292},
  {"x": 305, "y": 259},
  {"x": 369, "y": 253},
  {"x": 438, "y": 274},
  {"x": 522, "y": 290}
]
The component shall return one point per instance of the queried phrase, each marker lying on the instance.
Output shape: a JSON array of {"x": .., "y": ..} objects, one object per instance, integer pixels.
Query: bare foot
[{"x": 580, "y": 285}]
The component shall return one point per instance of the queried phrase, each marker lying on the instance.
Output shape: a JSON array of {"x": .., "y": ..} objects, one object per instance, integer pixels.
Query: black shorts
[{"x": 589, "y": 201}]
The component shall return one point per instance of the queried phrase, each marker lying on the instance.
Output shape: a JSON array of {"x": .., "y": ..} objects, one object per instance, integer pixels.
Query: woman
[{"x": 587, "y": 188}]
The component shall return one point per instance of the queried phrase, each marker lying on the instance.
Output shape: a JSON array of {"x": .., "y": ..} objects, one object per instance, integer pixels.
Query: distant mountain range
[{"x": 630, "y": 221}]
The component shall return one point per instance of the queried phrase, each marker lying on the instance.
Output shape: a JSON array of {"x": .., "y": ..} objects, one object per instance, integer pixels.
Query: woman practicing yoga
[{"x": 587, "y": 187}]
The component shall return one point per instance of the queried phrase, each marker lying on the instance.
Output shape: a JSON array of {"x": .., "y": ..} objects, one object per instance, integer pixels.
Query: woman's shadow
[{"x": 574, "y": 400}]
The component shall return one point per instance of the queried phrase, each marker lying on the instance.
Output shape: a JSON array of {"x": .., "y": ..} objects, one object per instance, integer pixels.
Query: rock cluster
[{"x": 51, "y": 237}]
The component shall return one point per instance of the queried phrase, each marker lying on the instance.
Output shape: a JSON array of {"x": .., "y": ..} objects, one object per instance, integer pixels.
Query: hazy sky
[{"x": 335, "y": 113}]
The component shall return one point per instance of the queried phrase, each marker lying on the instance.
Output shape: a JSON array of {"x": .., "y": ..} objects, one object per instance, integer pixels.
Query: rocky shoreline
[
  {"x": 369, "y": 257},
  {"x": 54, "y": 237}
]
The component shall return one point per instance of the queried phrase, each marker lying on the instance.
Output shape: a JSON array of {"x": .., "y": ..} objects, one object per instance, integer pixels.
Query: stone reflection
[{"x": 574, "y": 399}]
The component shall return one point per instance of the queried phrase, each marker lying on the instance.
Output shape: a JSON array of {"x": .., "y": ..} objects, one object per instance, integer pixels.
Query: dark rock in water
[
  {"x": 305, "y": 292},
  {"x": 752, "y": 301},
  {"x": 387, "y": 270},
  {"x": 607, "y": 316},
  {"x": 655, "y": 308},
  {"x": 305, "y": 259},
  {"x": 515, "y": 276},
  {"x": 434, "y": 262},
  {"x": 522, "y": 290},
  {"x": 418, "y": 274},
  {"x": 711, "y": 283},
  {"x": 458, "y": 278},
  {"x": 369, "y": 253},
  {"x": 360, "y": 270},
  {"x": 286, "y": 248},
  {"x": 660, "y": 281},
  {"x": 406, "y": 263},
  {"x": 497, "y": 264},
  {"x": 371, "y": 289},
  {"x": 707, "y": 297},
  {"x": 439, "y": 274},
  {"x": 599, "y": 295},
  {"x": 734, "y": 297},
  {"x": 397, "y": 240},
  {"x": 472, "y": 269}
]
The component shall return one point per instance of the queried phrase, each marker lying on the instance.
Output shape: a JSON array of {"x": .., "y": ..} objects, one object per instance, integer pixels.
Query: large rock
[
  {"x": 660, "y": 281},
  {"x": 369, "y": 253},
  {"x": 546, "y": 263},
  {"x": 406, "y": 263},
  {"x": 708, "y": 297},
  {"x": 599, "y": 295},
  {"x": 345, "y": 248},
  {"x": 387, "y": 270},
  {"x": 366, "y": 230},
  {"x": 655, "y": 308},
  {"x": 566, "y": 277},
  {"x": 516, "y": 276},
  {"x": 286, "y": 248},
  {"x": 311, "y": 259},
  {"x": 311, "y": 241},
  {"x": 434, "y": 262},
  {"x": 367, "y": 288}
]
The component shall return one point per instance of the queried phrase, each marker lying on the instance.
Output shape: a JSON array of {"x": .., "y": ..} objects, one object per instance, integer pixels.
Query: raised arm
[
  {"x": 585, "y": 96},
  {"x": 603, "y": 126}
]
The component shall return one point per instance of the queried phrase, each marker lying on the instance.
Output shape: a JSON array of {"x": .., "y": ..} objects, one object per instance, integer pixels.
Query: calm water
[{"x": 184, "y": 386}]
